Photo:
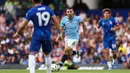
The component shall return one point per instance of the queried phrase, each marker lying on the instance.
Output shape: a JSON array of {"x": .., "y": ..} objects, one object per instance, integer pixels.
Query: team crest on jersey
[
  {"x": 110, "y": 22},
  {"x": 75, "y": 22},
  {"x": 103, "y": 23}
]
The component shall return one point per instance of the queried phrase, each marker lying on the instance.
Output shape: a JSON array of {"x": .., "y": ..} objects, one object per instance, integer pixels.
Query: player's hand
[
  {"x": 59, "y": 37},
  {"x": 16, "y": 35},
  {"x": 82, "y": 34},
  {"x": 98, "y": 30},
  {"x": 113, "y": 29}
]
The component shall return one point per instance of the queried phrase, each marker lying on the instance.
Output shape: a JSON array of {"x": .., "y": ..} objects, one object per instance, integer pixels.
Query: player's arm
[
  {"x": 98, "y": 26},
  {"x": 57, "y": 24},
  {"x": 62, "y": 29},
  {"x": 60, "y": 36},
  {"x": 115, "y": 28},
  {"x": 24, "y": 23},
  {"x": 20, "y": 29},
  {"x": 83, "y": 26}
]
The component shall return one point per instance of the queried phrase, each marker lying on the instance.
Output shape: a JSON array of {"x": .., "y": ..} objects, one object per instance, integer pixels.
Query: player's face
[
  {"x": 70, "y": 12},
  {"x": 106, "y": 14}
]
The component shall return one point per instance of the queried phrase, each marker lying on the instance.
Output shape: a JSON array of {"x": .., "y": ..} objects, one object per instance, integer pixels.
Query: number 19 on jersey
[{"x": 44, "y": 16}]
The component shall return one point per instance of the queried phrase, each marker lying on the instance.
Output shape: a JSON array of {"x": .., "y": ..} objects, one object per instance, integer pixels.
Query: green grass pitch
[{"x": 68, "y": 71}]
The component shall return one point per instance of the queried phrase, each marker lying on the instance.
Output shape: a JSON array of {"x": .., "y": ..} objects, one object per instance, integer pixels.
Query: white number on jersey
[
  {"x": 45, "y": 16},
  {"x": 113, "y": 45}
]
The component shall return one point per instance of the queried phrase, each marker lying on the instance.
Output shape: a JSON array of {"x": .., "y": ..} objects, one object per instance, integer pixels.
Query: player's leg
[
  {"x": 67, "y": 54},
  {"x": 68, "y": 51},
  {"x": 46, "y": 47},
  {"x": 107, "y": 54},
  {"x": 34, "y": 48},
  {"x": 76, "y": 52},
  {"x": 114, "y": 51},
  {"x": 31, "y": 62},
  {"x": 48, "y": 61}
]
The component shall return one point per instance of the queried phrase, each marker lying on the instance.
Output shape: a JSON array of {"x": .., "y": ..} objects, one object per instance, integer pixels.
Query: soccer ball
[{"x": 54, "y": 67}]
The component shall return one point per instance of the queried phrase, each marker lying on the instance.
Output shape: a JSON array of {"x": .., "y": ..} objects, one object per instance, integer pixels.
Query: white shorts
[{"x": 71, "y": 43}]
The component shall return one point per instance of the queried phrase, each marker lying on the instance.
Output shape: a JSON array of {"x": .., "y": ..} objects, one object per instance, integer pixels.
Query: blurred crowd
[{"x": 16, "y": 50}]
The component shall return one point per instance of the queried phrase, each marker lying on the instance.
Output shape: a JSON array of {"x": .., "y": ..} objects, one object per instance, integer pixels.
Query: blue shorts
[
  {"x": 109, "y": 43},
  {"x": 37, "y": 43}
]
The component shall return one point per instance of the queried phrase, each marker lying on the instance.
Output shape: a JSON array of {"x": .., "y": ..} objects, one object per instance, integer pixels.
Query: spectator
[
  {"x": 128, "y": 22},
  {"x": 82, "y": 14},
  {"x": 128, "y": 52},
  {"x": 122, "y": 49},
  {"x": 9, "y": 6},
  {"x": 24, "y": 60},
  {"x": 2, "y": 60},
  {"x": 118, "y": 18}
]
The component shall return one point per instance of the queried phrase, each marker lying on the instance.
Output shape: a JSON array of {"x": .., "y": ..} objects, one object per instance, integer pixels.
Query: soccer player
[
  {"x": 40, "y": 16},
  {"x": 107, "y": 23},
  {"x": 70, "y": 24}
]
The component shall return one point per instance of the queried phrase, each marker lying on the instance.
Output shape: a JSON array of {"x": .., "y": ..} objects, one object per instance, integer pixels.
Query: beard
[{"x": 71, "y": 17}]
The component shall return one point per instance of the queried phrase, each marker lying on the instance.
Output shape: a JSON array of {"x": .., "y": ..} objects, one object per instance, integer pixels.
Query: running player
[
  {"x": 70, "y": 26},
  {"x": 109, "y": 27}
]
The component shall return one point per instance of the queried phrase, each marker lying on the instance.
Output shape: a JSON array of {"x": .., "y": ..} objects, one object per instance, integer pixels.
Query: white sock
[
  {"x": 48, "y": 63},
  {"x": 32, "y": 63},
  {"x": 109, "y": 64},
  {"x": 114, "y": 60}
]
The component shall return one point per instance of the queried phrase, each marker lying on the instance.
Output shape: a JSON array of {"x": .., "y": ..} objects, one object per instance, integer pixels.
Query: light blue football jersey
[{"x": 71, "y": 27}]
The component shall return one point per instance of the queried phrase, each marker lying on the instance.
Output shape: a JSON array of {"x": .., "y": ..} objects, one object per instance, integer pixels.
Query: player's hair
[
  {"x": 70, "y": 8},
  {"x": 37, "y": 1},
  {"x": 106, "y": 9}
]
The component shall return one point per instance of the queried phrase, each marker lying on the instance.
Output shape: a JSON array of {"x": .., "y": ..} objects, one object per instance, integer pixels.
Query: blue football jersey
[
  {"x": 40, "y": 16},
  {"x": 107, "y": 25},
  {"x": 71, "y": 27}
]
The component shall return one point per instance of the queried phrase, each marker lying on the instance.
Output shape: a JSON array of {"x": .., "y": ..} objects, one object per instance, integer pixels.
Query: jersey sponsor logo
[
  {"x": 110, "y": 22},
  {"x": 103, "y": 23},
  {"x": 74, "y": 22}
]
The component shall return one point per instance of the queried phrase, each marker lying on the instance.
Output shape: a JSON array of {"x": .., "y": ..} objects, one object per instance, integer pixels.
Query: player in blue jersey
[
  {"x": 109, "y": 27},
  {"x": 70, "y": 26},
  {"x": 40, "y": 15}
]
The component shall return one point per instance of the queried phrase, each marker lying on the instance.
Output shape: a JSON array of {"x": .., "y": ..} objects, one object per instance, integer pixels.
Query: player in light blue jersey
[
  {"x": 40, "y": 16},
  {"x": 70, "y": 26},
  {"x": 109, "y": 27}
]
